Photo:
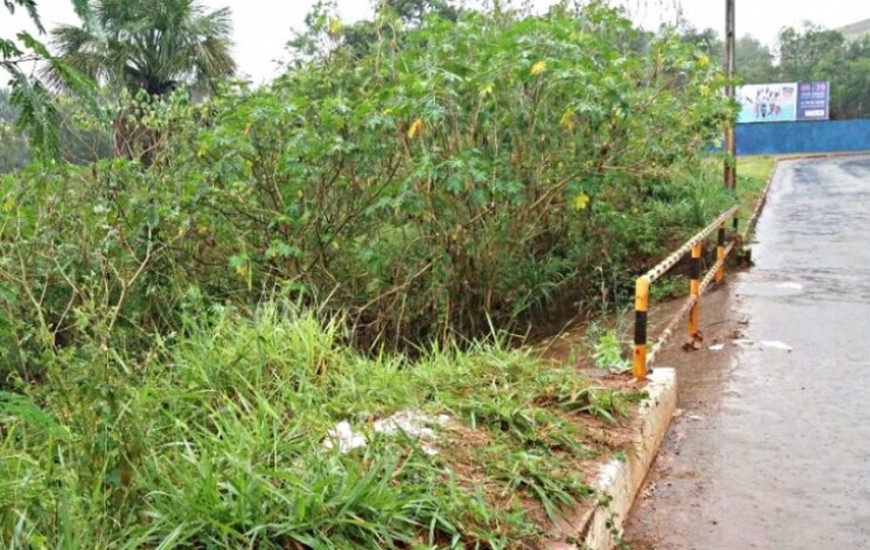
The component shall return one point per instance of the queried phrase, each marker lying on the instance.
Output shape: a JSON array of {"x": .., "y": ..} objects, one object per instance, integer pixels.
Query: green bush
[
  {"x": 462, "y": 175},
  {"x": 462, "y": 172}
]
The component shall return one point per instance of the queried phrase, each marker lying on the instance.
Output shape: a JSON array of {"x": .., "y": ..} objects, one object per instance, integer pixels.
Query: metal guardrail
[{"x": 643, "y": 354}]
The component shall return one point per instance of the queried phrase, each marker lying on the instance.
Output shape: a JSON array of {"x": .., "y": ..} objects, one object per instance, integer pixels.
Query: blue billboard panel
[{"x": 813, "y": 100}]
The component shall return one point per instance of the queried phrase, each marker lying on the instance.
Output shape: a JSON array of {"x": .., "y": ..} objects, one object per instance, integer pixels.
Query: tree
[
  {"x": 851, "y": 87},
  {"x": 807, "y": 53},
  {"x": 707, "y": 40},
  {"x": 83, "y": 138},
  {"x": 147, "y": 47},
  {"x": 361, "y": 35},
  {"x": 30, "y": 99},
  {"x": 754, "y": 61},
  {"x": 15, "y": 153}
]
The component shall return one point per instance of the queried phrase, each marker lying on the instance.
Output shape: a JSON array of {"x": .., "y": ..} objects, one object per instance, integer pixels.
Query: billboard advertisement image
[
  {"x": 767, "y": 102},
  {"x": 783, "y": 102}
]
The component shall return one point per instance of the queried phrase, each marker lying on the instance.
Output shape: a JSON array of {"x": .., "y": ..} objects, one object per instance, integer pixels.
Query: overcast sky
[{"x": 262, "y": 27}]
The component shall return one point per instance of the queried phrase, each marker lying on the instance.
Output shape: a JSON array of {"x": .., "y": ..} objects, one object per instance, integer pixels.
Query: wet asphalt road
[{"x": 772, "y": 450}]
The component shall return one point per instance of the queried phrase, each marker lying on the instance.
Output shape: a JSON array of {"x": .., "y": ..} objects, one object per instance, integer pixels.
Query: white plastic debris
[
  {"x": 773, "y": 344},
  {"x": 717, "y": 347},
  {"x": 791, "y": 286},
  {"x": 414, "y": 425},
  {"x": 765, "y": 344},
  {"x": 344, "y": 438},
  {"x": 411, "y": 423}
]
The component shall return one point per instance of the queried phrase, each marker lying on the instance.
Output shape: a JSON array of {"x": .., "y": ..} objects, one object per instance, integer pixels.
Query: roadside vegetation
[
  {"x": 189, "y": 324},
  {"x": 753, "y": 174}
]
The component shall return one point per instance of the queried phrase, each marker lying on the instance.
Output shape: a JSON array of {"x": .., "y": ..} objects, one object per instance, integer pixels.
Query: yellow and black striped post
[
  {"x": 641, "y": 307},
  {"x": 720, "y": 254},
  {"x": 695, "y": 290},
  {"x": 735, "y": 222}
]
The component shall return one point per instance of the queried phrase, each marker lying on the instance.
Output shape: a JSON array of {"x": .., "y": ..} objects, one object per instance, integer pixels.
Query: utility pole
[{"x": 731, "y": 158}]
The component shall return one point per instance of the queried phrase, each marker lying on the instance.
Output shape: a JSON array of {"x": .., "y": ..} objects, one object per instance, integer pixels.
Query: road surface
[{"x": 772, "y": 448}]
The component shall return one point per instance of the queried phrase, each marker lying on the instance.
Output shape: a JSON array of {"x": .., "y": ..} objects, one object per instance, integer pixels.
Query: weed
[{"x": 608, "y": 353}]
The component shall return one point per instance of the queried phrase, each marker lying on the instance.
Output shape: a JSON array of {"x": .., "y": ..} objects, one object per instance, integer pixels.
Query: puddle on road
[{"x": 770, "y": 289}]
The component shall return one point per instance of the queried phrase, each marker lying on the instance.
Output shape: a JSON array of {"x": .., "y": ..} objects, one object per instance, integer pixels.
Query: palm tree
[{"x": 150, "y": 46}]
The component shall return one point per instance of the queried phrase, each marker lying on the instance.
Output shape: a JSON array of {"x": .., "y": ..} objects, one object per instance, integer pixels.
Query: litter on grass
[
  {"x": 415, "y": 425},
  {"x": 344, "y": 438}
]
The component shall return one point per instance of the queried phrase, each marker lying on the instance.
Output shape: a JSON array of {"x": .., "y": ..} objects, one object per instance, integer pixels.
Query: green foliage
[
  {"x": 472, "y": 178},
  {"x": 455, "y": 177},
  {"x": 608, "y": 352},
  {"x": 142, "y": 50},
  {"x": 810, "y": 52},
  {"x": 216, "y": 439},
  {"x": 37, "y": 112},
  {"x": 754, "y": 61},
  {"x": 474, "y": 168},
  {"x": 149, "y": 46},
  {"x": 84, "y": 138}
]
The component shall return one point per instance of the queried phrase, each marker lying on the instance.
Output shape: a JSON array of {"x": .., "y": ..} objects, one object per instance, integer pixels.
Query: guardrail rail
[{"x": 645, "y": 355}]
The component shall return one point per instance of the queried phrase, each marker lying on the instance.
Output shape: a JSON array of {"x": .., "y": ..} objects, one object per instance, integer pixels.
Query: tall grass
[{"x": 216, "y": 441}]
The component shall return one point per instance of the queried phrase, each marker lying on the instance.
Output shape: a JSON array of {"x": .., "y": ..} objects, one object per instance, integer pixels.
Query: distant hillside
[{"x": 856, "y": 31}]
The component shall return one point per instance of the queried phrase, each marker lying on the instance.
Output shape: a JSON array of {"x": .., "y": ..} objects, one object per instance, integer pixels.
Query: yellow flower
[
  {"x": 242, "y": 271},
  {"x": 704, "y": 60},
  {"x": 9, "y": 205},
  {"x": 416, "y": 128},
  {"x": 538, "y": 68},
  {"x": 334, "y": 26},
  {"x": 486, "y": 90},
  {"x": 581, "y": 201}
]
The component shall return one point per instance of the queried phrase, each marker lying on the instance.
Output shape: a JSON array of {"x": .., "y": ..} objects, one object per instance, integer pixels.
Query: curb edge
[{"x": 620, "y": 480}]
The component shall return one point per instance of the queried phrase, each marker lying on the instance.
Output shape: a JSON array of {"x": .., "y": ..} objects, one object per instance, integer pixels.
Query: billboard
[
  {"x": 813, "y": 100},
  {"x": 783, "y": 102}
]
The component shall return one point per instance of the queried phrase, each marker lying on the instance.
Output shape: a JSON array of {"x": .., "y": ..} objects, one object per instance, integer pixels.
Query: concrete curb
[{"x": 620, "y": 480}]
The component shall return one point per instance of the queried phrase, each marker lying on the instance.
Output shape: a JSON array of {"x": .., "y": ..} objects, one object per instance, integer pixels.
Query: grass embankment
[
  {"x": 219, "y": 442},
  {"x": 216, "y": 439},
  {"x": 753, "y": 173}
]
